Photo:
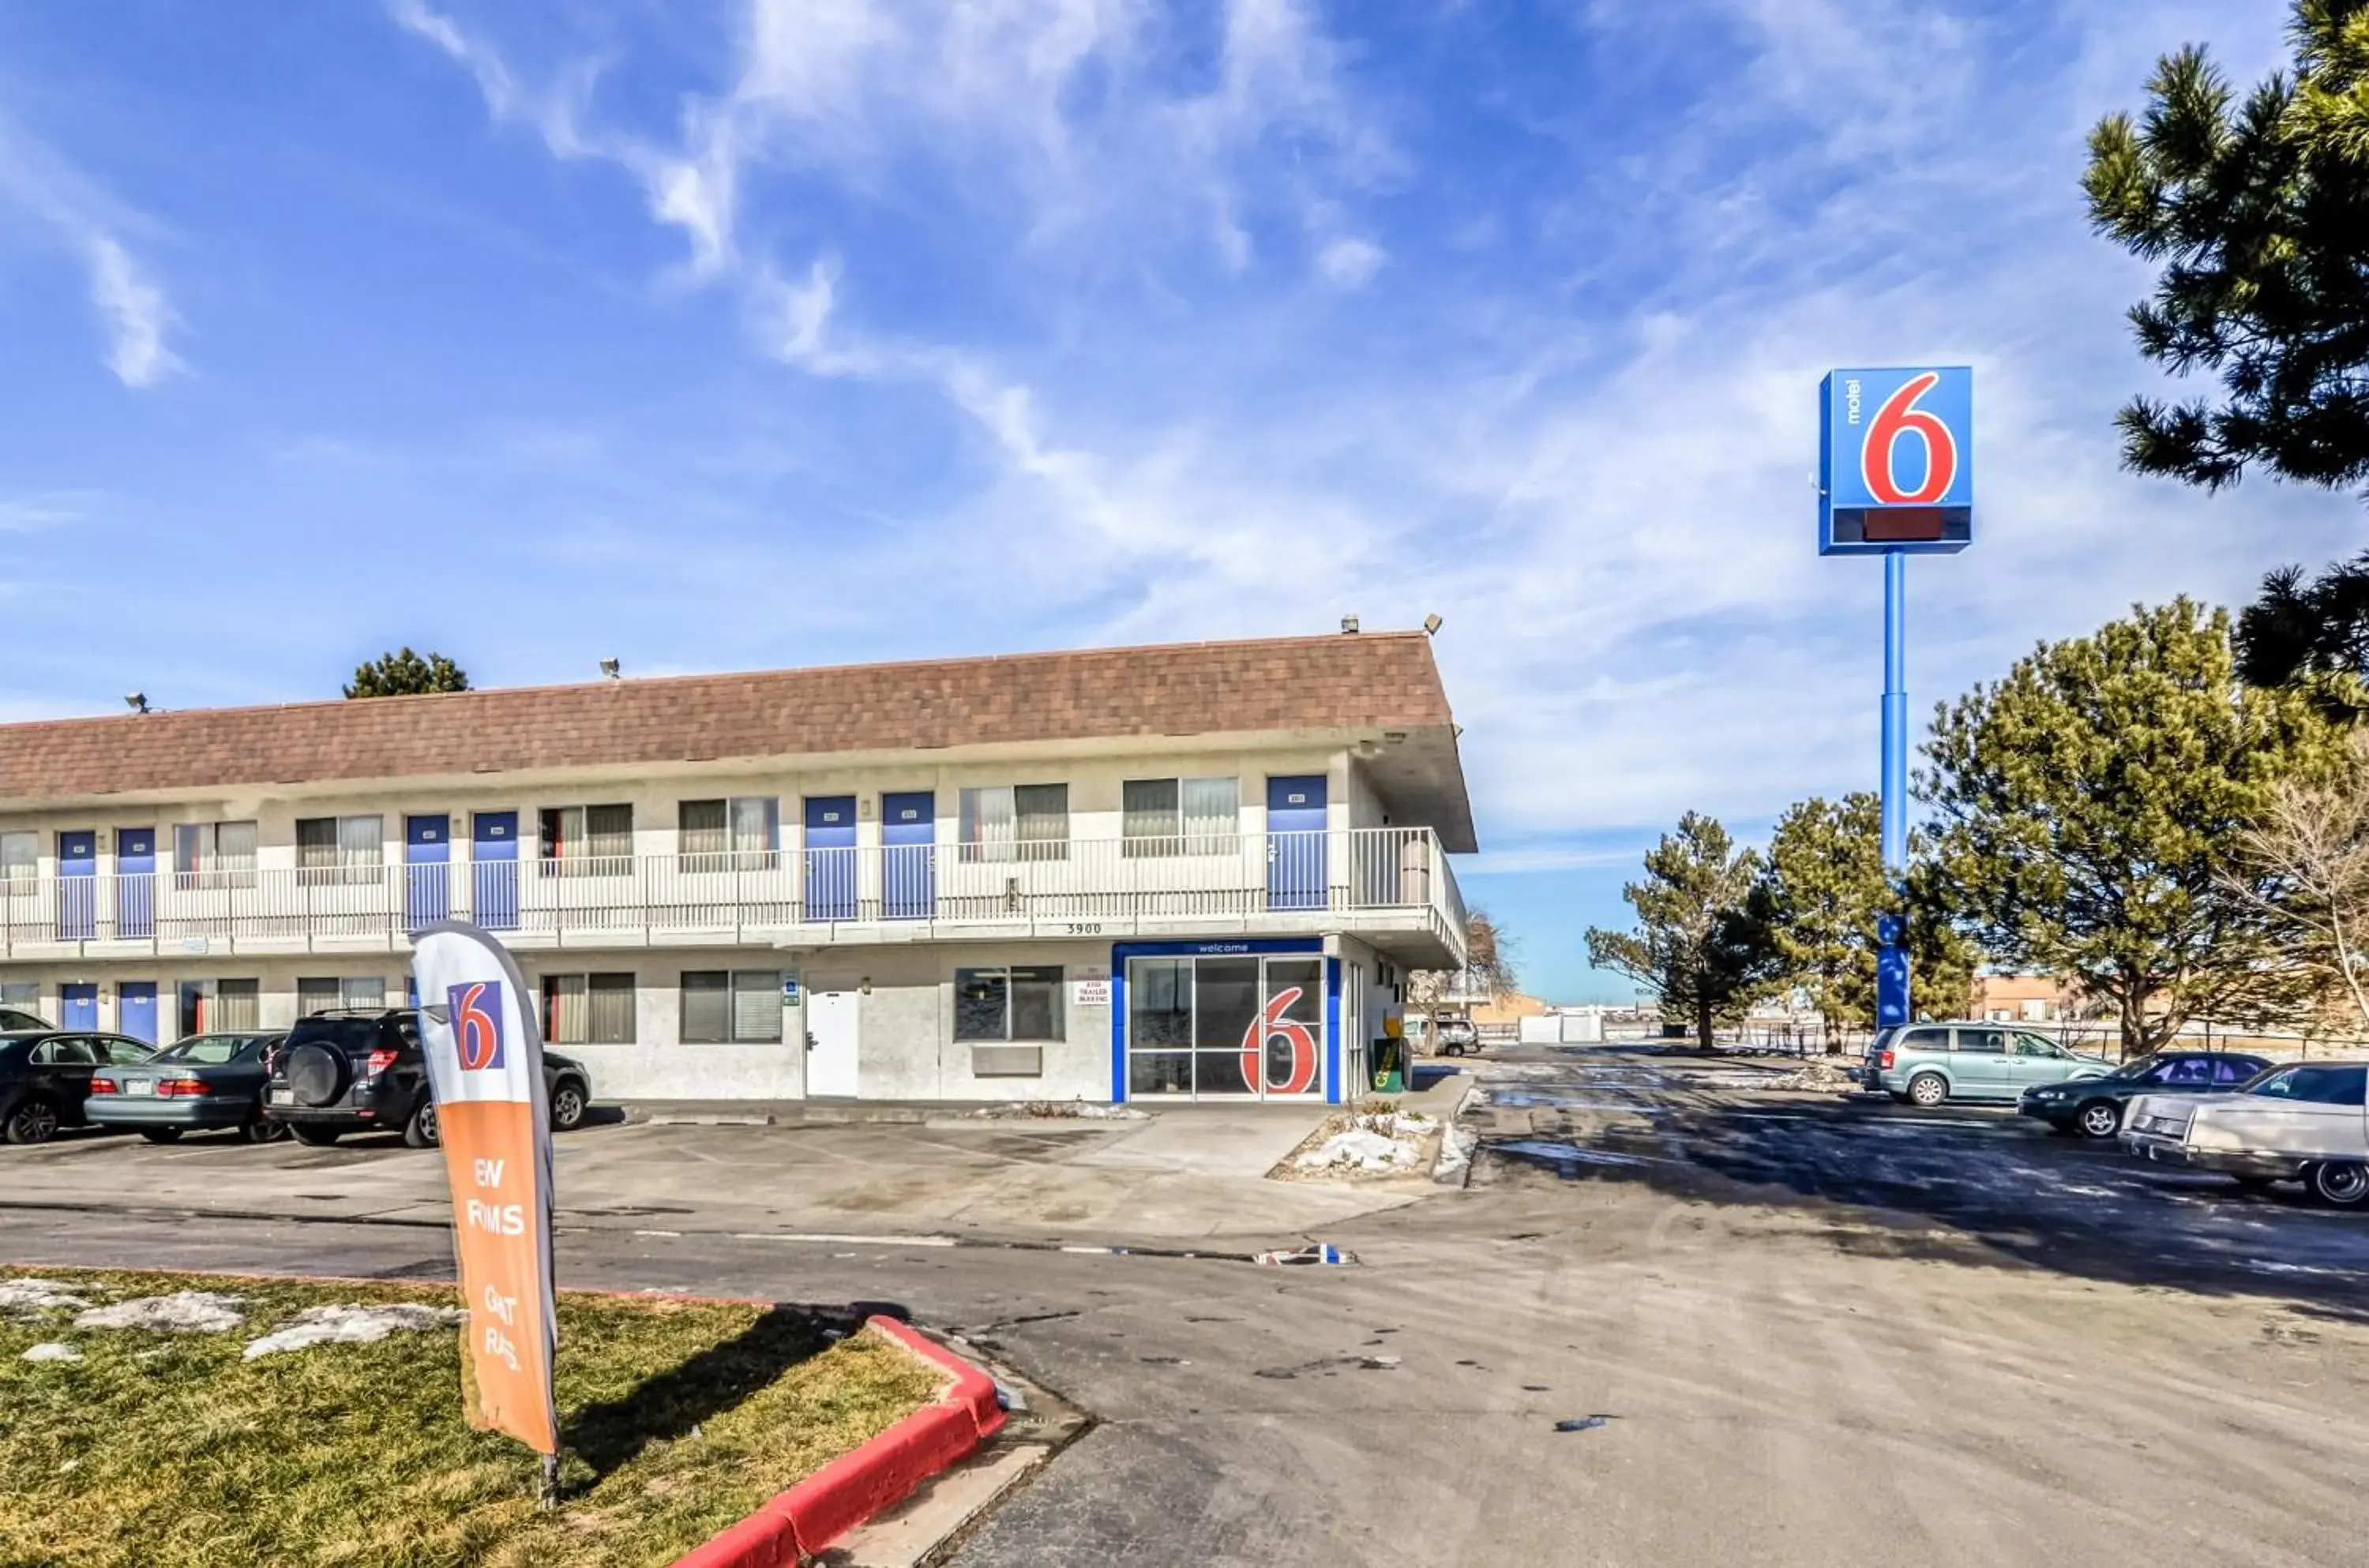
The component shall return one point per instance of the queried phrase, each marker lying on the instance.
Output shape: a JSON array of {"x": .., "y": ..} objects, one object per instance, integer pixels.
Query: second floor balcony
[{"x": 1390, "y": 886}]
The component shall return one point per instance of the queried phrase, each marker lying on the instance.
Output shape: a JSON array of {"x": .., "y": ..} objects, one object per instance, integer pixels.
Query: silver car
[{"x": 1929, "y": 1063}]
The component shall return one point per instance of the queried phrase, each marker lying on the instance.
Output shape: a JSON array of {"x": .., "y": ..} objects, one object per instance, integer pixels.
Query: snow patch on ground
[
  {"x": 184, "y": 1312},
  {"x": 350, "y": 1325},
  {"x": 36, "y": 1296},
  {"x": 1062, "y": 1110},
  {"x": 1371, "y": 1143},
  {"x": 52, "y": 1353}
]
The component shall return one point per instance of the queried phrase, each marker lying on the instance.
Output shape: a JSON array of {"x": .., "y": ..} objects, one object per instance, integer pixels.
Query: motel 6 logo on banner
[
  {"x": 1896, "y": 460},
  {"x": 485, "y": 1068}
]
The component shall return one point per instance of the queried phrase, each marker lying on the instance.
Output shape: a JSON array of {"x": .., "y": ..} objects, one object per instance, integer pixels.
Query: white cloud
[
  {"x": 1350, "y": 263},
  {"x": 79, "y": 216},
  {"x": 1609, "y": 504},
  {"x": 137, "y": 309}
]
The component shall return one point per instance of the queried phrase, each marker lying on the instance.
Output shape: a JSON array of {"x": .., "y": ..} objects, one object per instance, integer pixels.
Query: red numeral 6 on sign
[{"x": 1898, "y": 416}]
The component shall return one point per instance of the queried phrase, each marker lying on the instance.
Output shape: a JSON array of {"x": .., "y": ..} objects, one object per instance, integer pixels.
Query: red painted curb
[{"x": 871, "y": 1479}]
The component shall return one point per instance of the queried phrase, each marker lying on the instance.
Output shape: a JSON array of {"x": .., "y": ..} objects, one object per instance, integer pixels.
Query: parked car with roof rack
[
  {"x": 343, "y": 1072},
  {"x": 2304, "y": 1122},
  {"x": 2094, "y": 1107},
  {"x": 205, "y": 1083},
  {"x": 45, "y": 1078},
  {"x": 1927, "y": 1064}
]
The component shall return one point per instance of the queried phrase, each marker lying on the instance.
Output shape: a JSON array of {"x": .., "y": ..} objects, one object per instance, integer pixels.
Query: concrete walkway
[{"x": 1188, "y": 1175}]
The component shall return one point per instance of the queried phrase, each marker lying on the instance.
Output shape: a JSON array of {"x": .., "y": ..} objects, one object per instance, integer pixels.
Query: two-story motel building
[{"x": 1199, "y": 870}]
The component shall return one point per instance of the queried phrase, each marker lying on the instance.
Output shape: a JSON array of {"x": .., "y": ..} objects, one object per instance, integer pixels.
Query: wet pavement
[{"x": 1719, "y": 1129}]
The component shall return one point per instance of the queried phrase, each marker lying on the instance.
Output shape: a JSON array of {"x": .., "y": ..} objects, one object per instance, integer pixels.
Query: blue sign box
[{"x": 1896, "y": 460}]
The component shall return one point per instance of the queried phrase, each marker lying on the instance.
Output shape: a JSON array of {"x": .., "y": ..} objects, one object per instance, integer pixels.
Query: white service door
[{"x": 831, "y": 1037}]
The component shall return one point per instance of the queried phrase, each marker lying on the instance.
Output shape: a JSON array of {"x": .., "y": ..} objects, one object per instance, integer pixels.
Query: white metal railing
[{"x": 1235, "y": 877}]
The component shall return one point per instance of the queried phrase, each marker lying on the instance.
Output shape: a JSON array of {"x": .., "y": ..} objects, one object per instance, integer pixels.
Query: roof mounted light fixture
[
  {"x": 609, "y": 666},
  {"x": 1431, "y": 625},
  {"x": 136, "y": 700},
  {"x": 1349, "y": 625}
]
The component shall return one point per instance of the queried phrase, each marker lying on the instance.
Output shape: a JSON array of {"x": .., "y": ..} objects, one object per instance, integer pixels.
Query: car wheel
[
  {"x": 161, "y": 1134},
  {"x": 314, "y": 1137},
  {"x": 262, "y": 1130},
  {"x": 2344, "y": 1183},
  {"x": 2100, "y": 1119},
  {"x": 33, "y": 1121},
  {"x": 1928, "y": 1089},
  {"x": 419, "y": 1132},
  {"x": 568, "y": 1107}
]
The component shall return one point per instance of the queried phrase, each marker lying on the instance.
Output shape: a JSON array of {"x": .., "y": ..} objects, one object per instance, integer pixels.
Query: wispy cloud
[{"x": 77, "y": 215}]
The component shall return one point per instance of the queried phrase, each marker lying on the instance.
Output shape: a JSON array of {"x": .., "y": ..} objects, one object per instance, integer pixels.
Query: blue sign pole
[
  {"x": 1891, "y": 944},
  {"x": 1895, "y": 478}
]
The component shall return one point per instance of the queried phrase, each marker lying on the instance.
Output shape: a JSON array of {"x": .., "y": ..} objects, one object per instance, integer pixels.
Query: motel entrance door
[{"x": 1222, "y": 1026}]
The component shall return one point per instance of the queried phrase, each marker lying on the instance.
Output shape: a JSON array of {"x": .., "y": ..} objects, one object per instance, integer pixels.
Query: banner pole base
[{"x": 549, "y": 1495}]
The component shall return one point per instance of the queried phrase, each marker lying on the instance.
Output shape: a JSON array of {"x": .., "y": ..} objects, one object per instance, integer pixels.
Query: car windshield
[
  {"x": 208, "y": 1050},
  {"x": 2331, "y": 1085},
  {"x": 2139, "y": 1067}
]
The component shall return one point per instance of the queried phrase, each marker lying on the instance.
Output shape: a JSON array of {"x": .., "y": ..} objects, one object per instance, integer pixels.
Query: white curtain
[
  {"x": 987, "y": 825},
  {"x": 1212, "y": 812}
]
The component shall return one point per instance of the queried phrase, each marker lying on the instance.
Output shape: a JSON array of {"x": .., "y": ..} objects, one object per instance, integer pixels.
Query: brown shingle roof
[{"x": 1386, "y": 679}]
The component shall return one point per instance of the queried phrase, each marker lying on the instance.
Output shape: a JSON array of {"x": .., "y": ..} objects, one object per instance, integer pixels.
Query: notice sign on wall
[
  {"x": 1090, "y": 984},
  {"x": 485, "y": 1068}
]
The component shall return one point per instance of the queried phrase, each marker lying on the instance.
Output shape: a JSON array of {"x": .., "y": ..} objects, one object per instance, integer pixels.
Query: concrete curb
[{"x": 872, "y": 1479}]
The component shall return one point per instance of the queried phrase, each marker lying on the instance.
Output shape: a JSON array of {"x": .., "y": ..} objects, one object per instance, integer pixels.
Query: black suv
[{"x": 345, "y": 1071}]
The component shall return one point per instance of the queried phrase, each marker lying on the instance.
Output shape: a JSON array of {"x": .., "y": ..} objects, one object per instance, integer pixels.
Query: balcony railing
[{"x": 1380, "y": 878}]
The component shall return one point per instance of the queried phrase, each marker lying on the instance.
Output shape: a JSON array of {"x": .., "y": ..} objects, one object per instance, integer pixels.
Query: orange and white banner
[{"x": 485, "y": 1067}]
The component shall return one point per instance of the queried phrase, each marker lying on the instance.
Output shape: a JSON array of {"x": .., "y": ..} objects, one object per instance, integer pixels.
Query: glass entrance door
[{"x": 1234, "y": 1026}]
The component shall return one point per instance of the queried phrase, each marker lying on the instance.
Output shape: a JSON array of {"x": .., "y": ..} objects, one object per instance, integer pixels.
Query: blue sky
[{"x": 755, "y": 334}]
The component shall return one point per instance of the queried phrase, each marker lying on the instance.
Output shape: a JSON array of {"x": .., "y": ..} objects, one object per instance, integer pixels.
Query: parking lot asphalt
[
  {"x": 1789, "y": 1375},
  {"x": 1972, "y": 1174}
]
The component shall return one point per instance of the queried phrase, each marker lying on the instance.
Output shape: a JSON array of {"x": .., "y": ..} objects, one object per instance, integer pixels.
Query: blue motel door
[
  {"x": 136, "y": 1010},
  {"x": 427, "y": 852},
  {"x": 78, "y": 1005},
  {"x": 493, "y": 856},
  {"x": 909, "y": 839},
  {"x": 831, "y": 857},
  {"x": 135, "y": 895},
  {"x": 1296, "y": 872},
  {"x": 78, "y": 892}
]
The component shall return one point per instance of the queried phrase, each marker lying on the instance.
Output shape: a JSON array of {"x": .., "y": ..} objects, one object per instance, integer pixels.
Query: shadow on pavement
[{"x": 1990, "y": 1193}]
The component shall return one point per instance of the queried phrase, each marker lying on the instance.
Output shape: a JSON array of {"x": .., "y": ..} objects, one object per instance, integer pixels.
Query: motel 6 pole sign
[{"x": 1895, "y": 479}]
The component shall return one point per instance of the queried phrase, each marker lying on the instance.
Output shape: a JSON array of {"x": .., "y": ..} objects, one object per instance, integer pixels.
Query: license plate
[
  {"x": 283, "y": 1096},
  {"x": 138, "y": 1086}
]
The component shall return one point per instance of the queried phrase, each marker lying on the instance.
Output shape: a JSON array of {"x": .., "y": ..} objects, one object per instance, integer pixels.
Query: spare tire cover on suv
[{"x": 317, "y": 1073}]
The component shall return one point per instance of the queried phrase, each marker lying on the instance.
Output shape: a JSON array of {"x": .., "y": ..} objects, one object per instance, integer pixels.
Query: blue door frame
[
  {"x": 78, "y": 1005},
  {"x": 1123, "y": 951},
  {"x": 426, "y": 888},
  {"x": 1296, "y": 873},
  {"x": 78, "y": 893},
  {"x": 831, "y": 857},
  {"x": 908, "y": 840},
  {"x": 493, "y": 870},
  {"x": 136, "y": 1010},
  {"x": 135, "y": 893}
]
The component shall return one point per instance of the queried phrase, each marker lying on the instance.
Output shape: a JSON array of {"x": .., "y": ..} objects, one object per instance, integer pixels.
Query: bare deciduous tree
[
  {"x": 2305, "y": 863},
  {"x": 1488, "y": 970}
]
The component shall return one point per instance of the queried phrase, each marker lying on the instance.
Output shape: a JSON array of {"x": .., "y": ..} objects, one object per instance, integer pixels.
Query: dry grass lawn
[{"x": 170, "y": 1450}]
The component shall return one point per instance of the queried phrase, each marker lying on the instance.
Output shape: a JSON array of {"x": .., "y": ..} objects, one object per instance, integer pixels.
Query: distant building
[{"x": 2024, "y": 999}]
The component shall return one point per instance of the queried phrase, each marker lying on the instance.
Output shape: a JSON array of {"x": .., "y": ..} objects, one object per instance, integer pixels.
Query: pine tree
[
  {"x": 2258, "y": 213},
  {"x": 2088, "y": 806},
  {"x": 1703, "y": 943},
  {"x": 406, "y": 674}
]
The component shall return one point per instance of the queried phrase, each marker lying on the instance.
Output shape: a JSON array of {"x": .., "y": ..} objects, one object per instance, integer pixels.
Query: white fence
[{"x": 1245, "y": 877}]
